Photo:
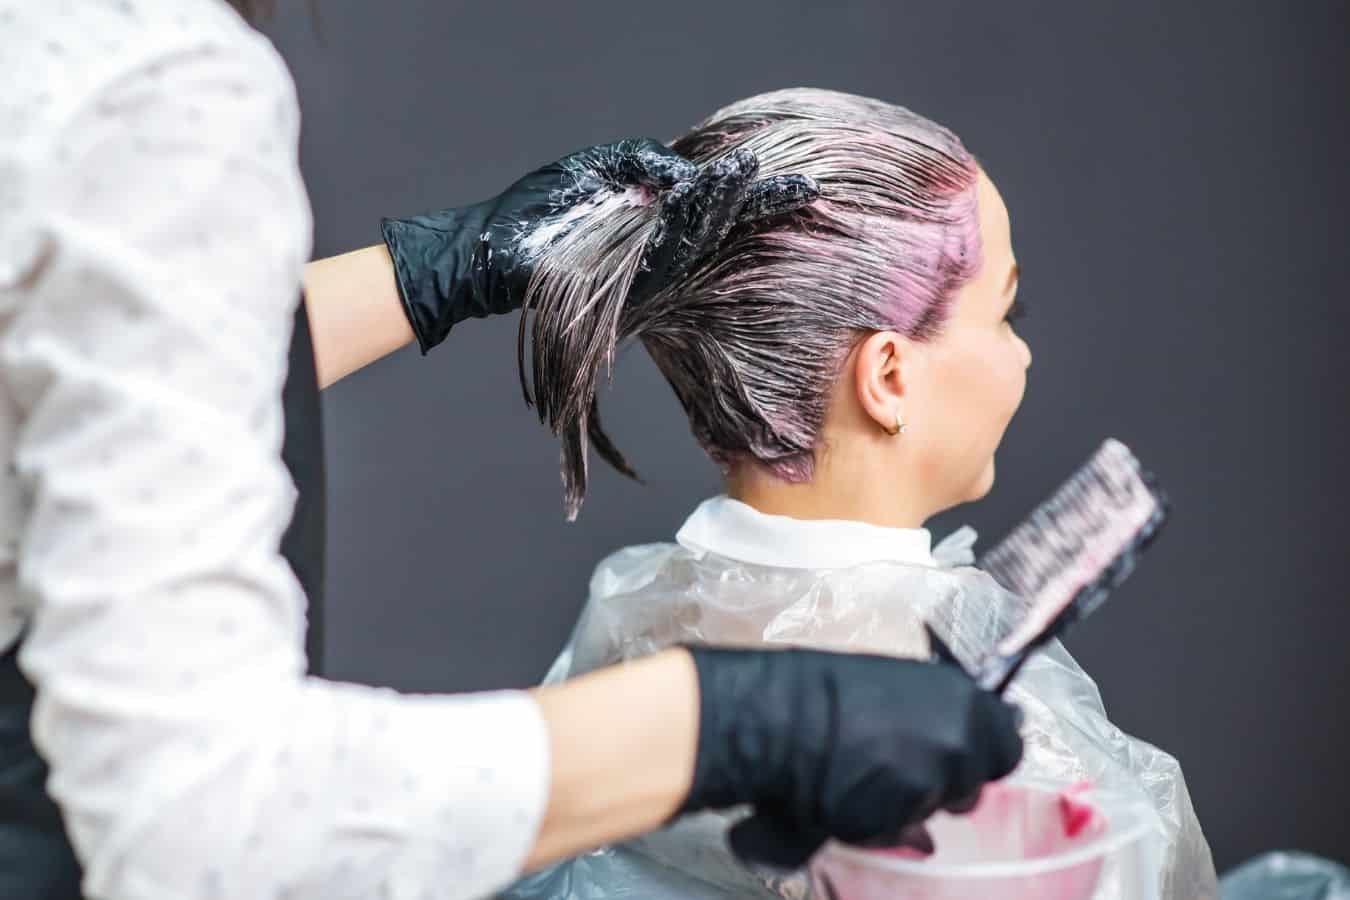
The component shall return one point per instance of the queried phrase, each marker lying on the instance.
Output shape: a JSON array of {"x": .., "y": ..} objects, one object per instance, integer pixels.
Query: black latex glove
[
  {"x": 857, "y": 748},
  {"x": 468, "y": 262}
]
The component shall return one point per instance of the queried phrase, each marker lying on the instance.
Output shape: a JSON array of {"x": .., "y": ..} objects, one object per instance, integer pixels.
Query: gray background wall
[{"x": 1177, "y": 177}]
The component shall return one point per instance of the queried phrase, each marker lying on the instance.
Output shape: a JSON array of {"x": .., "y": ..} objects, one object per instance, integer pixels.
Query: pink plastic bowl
[{"x": 1023, "y": 840}]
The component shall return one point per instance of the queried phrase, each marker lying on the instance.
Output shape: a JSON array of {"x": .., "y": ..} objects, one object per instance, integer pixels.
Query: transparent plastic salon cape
[{"x": 644, "y": 598}]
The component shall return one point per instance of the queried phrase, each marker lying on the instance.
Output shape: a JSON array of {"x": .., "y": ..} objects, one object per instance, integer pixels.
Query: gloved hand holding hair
[{"x": 475, "y": 261}]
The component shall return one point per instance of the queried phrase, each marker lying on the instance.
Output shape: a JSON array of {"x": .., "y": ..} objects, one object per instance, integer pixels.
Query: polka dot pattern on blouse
[{"x": 153, "y": 232}]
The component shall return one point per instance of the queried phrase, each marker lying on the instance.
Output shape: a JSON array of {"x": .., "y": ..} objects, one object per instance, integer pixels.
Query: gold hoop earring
[{"x": 899, "y": 428}]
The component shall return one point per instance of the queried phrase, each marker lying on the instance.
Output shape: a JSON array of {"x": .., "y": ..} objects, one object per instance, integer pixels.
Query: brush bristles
[{"x": 1082, "y": 542}]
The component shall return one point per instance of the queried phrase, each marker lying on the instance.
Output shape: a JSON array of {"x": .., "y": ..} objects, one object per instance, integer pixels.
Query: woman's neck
[{"x": 830, "y": 494}]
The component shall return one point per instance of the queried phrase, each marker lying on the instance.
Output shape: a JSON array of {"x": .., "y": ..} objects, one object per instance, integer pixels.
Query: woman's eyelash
[{"x": 1018, "y": 310}]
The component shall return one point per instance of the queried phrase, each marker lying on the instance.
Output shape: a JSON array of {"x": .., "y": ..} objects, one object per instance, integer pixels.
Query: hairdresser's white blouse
[{"x": 153, "y": 228}]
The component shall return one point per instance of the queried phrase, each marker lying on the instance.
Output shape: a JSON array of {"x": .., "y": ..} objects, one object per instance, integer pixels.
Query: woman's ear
[{"x": 880, "y": 367}]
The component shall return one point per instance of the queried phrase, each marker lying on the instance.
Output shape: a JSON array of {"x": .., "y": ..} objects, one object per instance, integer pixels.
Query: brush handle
[{"x": 998, "y": 673}]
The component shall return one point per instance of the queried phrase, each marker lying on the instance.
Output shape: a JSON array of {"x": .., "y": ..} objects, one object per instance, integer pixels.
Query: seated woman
[{"x": 851, "y": 367}]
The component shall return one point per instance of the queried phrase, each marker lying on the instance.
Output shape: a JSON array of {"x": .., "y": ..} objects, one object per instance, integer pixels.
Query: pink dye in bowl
[{"x": 1024, "y": 840}]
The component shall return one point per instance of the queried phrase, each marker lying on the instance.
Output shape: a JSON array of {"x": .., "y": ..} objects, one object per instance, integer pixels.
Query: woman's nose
[{"x": 1026, "y": 353}]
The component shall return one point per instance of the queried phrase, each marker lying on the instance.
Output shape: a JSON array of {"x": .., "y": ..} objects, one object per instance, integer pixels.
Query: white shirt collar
[{"x": 736, "y": 530}]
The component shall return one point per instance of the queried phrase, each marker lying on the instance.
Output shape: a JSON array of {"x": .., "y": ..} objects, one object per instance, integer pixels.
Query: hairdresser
[{"x": 162, "y": 540}]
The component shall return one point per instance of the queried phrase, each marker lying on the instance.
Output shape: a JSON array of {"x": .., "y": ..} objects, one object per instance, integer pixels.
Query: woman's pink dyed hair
[{"x": 753, "y": 339}]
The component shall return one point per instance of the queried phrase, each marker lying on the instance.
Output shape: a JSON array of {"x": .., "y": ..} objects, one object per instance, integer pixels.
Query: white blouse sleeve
[{"x": 161, "y": 228}]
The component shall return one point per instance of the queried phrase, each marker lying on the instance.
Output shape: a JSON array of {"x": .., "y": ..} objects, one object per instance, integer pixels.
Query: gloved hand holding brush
[{"x": 858, "y": 748}]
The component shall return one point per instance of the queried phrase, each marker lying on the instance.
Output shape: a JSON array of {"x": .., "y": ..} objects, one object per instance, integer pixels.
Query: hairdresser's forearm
[
  {"x": 355, "y": 312},
  {"x": 623, "y": 741}
]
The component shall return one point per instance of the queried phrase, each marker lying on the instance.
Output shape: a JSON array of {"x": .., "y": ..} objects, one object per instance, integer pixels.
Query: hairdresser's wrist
[
  {"x": 441, "y": 266},
  {"x": 355, "y": 313},
  {"x": 740, "y": 750}
]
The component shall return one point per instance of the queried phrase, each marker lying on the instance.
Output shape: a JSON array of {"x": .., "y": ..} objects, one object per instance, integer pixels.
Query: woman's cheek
[
  {"x": 1019, "y": 381},
  {"x": 1010, "y": 381}
]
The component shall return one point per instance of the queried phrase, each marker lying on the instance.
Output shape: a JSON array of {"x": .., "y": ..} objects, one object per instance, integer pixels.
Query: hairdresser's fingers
[
  {"x": 963, "y": 805},
  {"x": 917, "y": 837},
  {"x": 649, "y": 163},
  {"x": 994, "y": 750},
  {"x": 999, "y": 736},
  {"x": 664, "y": 245},
  {"x": 719, "y": 193},
  {"x": 912, "y": 837},
  {"x": 778, "y": 195},
  {"x": 694, "y": 219},
  {"x": 761, "y": 840}
]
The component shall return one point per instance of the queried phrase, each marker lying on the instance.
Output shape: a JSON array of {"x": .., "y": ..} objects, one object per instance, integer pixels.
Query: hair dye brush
[{"x": 1067, "y": 557}]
